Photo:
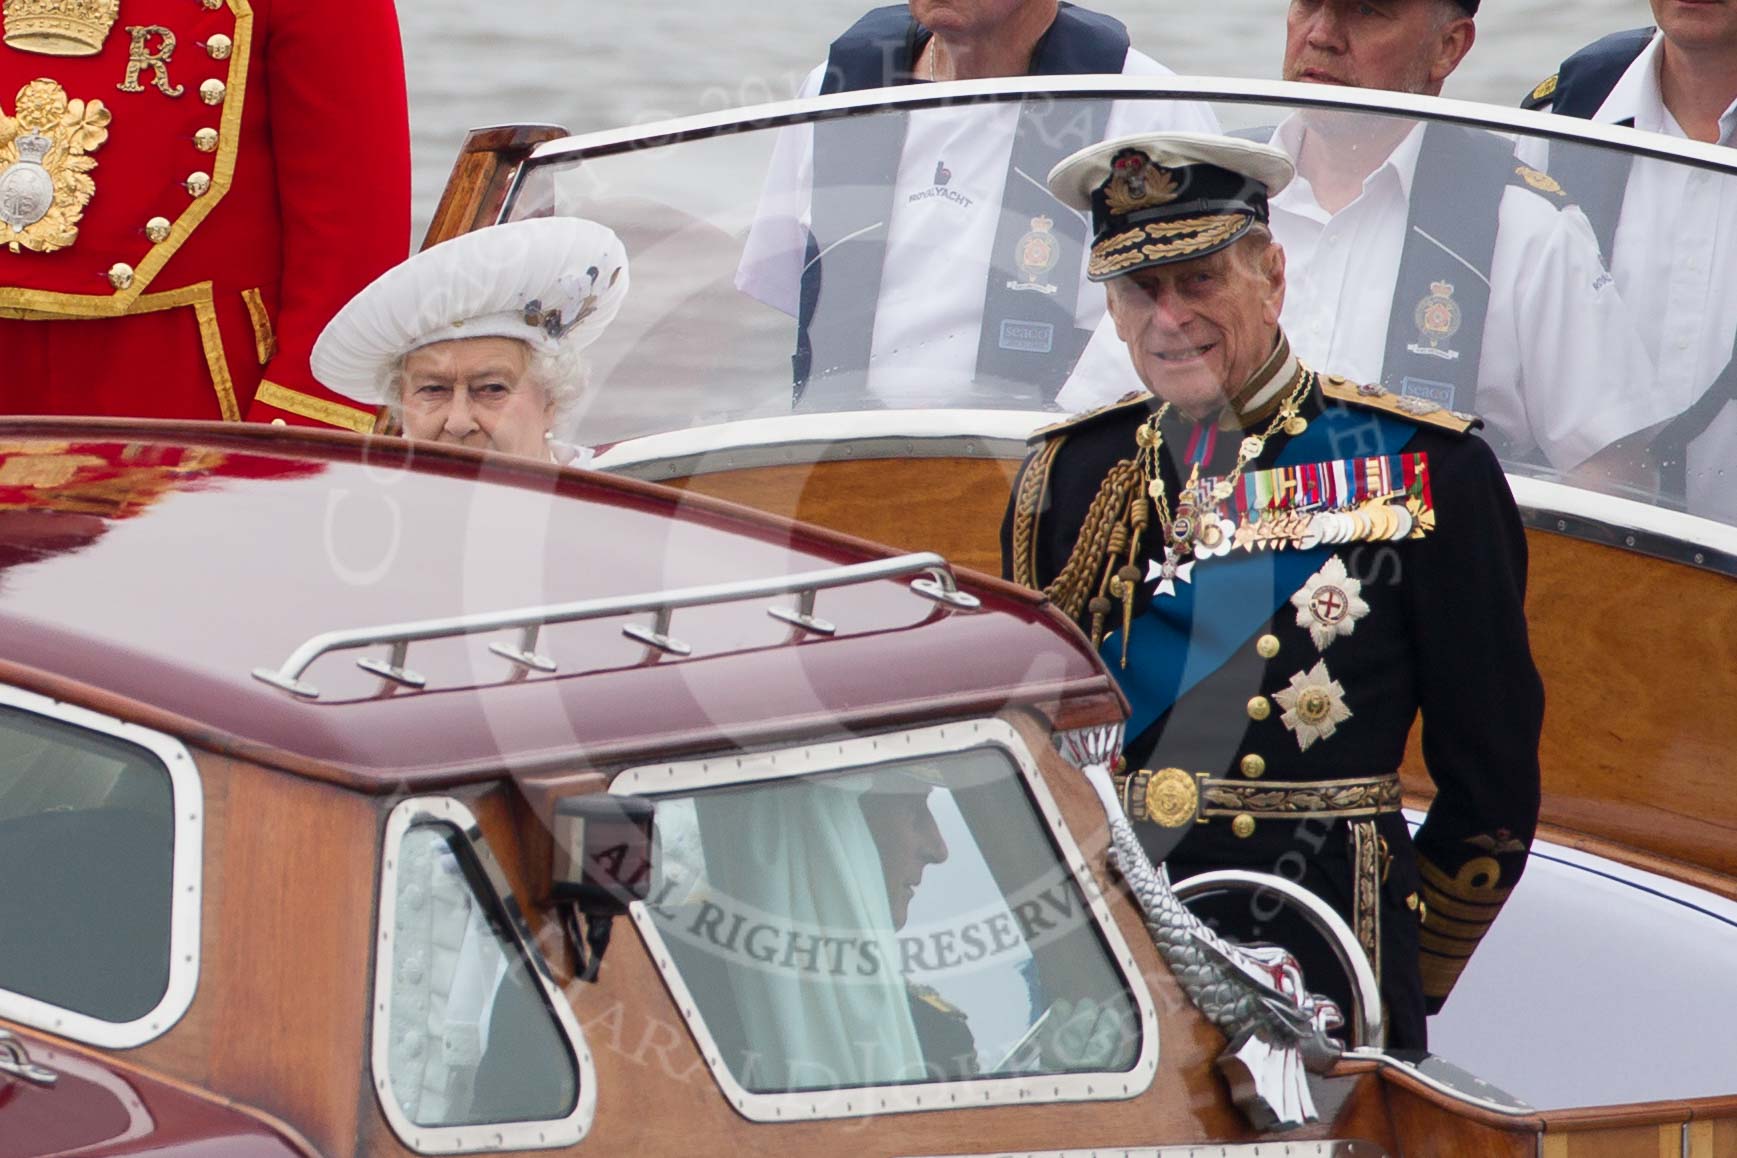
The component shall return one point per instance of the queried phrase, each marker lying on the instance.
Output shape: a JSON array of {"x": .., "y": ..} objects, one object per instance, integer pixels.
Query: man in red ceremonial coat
[{"x": 189, "y": 190}]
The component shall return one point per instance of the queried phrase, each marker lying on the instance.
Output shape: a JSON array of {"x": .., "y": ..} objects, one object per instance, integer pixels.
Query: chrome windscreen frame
[
  {"x": 863, "y": 1101},
  {"x": 186, "y": 889},
  {"x": 482, "y": 1137}
]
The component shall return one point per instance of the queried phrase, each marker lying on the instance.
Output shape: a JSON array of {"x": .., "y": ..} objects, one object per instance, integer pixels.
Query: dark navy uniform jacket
[{"x": 1445, "y": 634}]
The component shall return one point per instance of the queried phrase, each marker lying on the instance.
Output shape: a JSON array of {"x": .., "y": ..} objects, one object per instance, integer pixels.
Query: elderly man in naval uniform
[
  {"x": 922, "y": 257},
  {"x": 1283, "y": 569},
  {"x": 1427, "y": 258},
  {"x": 1670, "y": 230},
  {"x": 189, "y": 189}
]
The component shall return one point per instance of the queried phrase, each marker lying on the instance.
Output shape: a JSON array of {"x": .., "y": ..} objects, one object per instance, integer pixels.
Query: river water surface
[{"x": 589, "y": 65}]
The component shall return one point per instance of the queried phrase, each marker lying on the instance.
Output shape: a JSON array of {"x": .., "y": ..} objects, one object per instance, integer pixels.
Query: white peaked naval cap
[{"x": 553, "y": 282}]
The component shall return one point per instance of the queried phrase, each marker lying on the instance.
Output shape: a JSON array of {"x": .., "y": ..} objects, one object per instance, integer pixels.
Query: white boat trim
[{"x": 826, "y": 437}]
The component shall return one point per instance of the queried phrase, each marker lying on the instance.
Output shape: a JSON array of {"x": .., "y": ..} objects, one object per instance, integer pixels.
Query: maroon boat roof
[{"x": 163, "y": 563}]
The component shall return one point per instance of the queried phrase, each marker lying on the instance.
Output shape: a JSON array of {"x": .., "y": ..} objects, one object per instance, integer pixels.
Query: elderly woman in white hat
[{"x": 477, "y": 340}]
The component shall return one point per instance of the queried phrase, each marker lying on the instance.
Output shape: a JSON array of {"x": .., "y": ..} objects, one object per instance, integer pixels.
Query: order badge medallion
[
  {"x": 1438, "y": 319},
  {"x": 45, "y": 180},
  {"x": 1038, "y": 253}
]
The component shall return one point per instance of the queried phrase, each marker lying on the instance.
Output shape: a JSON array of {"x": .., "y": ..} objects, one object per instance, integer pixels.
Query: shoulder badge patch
[
  {"x": 1382, "y": 399},
  {"x": 1541, "y": 95},
  {"x": 1086, "y": 417},
  {"x": 1542, "y": 182}
]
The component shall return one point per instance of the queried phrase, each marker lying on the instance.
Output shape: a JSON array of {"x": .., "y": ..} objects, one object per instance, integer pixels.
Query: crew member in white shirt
[
  {"x": 963, "y": 284},
  {"x": 1672, "y": 228},
  {"x": 1560, "y": 372}
]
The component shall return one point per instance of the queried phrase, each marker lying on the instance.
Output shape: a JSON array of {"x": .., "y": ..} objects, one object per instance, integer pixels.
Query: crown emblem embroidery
[
  {"x": 1136, "y": 183},
  {"x": 45, "y": 180},
  {"x": 59, "y": 27}
]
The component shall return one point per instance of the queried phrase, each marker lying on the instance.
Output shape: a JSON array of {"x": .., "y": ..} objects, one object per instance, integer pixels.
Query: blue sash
[{"x": 1183, "y": 638}]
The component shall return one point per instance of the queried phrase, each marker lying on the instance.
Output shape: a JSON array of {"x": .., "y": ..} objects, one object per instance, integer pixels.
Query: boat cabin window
[
  {"x": 909, "y": 261},
  {"x": 466, "y": 1032},
  {"x": 94, "y": 942},
  {"x": 889, "y": 922}
]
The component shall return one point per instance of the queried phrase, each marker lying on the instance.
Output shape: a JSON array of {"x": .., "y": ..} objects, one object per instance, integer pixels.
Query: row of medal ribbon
[{"x": 1382, "y": 498}]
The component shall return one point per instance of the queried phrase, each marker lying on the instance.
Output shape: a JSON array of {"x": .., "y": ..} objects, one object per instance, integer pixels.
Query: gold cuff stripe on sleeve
[
  {"x": 264, "y": 336},
  {"x": 1440, "y": 975},
  {"x": 318, "y": 409},
  {"x": 1447, "y": 906},
  {"x": 1432, "y": 944},
  {"x": 1460, "y": 889},
  {"x": 1447, "y": 926}
]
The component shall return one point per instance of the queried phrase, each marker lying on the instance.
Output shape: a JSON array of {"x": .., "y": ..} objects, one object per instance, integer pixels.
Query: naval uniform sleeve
[
  {"x": 340, "y": 138},
  {"x": 1482, "y": 703}
]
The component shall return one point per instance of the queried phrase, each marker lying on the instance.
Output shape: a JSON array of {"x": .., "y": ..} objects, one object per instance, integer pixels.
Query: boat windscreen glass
[
  {"x": 899, "y": 922},
  {"x": 88, "y": 827},
  {"x": 1577, "y": 297},
  {"x": 472, "y": 1039}
]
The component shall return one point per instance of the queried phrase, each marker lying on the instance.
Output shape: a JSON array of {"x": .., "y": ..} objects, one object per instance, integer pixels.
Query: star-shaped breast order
[
  {"x": 1330, "y": 603},
  {"x": 1314, "y": 705}
]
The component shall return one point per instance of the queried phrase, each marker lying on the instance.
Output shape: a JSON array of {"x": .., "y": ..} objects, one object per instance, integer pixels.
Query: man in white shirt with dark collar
[
  {"x": 1671, "y": 230},
  {"x": 1428, "y": 259},
  {"x": 924, "y": 259}
]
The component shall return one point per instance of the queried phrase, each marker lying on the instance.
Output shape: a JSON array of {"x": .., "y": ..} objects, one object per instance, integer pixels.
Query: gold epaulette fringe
[
  {"x": 1399, "y": 405},
  {"x": 1084, "y": 417}
]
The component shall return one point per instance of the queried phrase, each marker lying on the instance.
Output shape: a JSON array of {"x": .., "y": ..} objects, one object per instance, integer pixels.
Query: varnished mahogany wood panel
[
  {"x": 1617, "y": 1142},
  {"x": 484, "y": 170},
  {"x": 1640, "y": 739},
  {"x": 950, "y": 505},
  {"x": 292, "y": 970},
  {"x": 1427, "y": 1129}
]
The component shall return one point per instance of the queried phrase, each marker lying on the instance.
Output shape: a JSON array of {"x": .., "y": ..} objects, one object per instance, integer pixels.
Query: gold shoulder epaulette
[
  {"x": 1086, "y": 417},
  {"x": 1542, "y": 94},
  {"x": 1399, "y": 405},
  {"x": 1542, "y": 182}
]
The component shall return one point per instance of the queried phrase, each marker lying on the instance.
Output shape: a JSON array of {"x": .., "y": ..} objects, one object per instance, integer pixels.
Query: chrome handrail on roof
[{"x": 936, "y": 582}]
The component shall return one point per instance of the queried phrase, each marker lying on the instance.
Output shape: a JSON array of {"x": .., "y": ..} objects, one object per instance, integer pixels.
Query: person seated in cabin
[
  {"x": 1670, "y": 230},
  {"x": 923, "y": 259},
  {"x": 1282, "y": 569},
  {"x": 902, "y": 825},
  {"x": 1427, "y": 258},
  {"x": 477, "y": 341}
]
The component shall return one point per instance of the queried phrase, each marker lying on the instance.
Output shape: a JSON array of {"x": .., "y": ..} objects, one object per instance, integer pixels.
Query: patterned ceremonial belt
[
  {"x": 1171, "y": 797},
  {"x": 1349, "y": 799}
]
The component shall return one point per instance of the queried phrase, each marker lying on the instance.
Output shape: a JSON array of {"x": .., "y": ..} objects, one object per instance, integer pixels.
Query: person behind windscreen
[
  {"x": 923, "y": 258},
  {"x": 1670, "y": 230},
  {"x": 477, "y": 341},
  {"x": 1426, "y": 257}
]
